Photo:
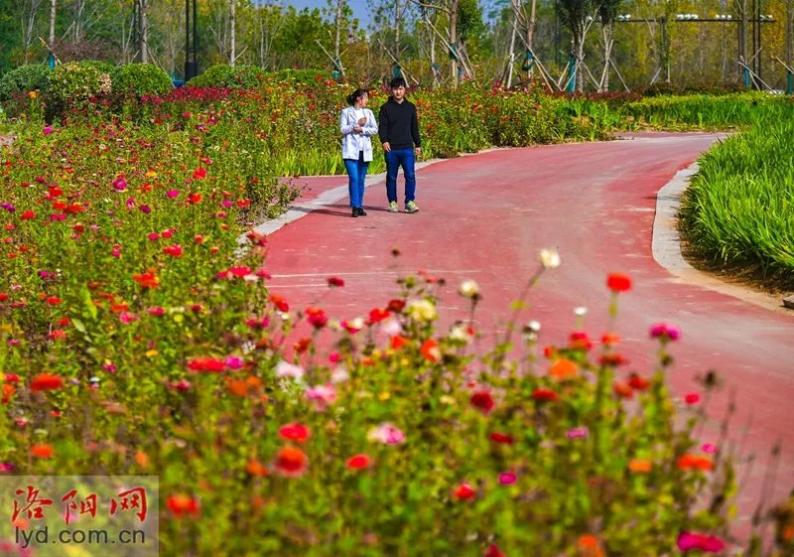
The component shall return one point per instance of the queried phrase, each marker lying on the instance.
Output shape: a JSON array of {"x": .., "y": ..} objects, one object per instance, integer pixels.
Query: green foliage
[
  {"x": 306, "y": 76},
  {"x": 137, "y": 80},
  {"x": 31, "y": 77},
  {"x": 223, "y": 75},
  {"x": 72, "y": 85}
]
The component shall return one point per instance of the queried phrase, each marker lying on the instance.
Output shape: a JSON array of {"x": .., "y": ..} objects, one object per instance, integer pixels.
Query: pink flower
[
  {"x": 156, "y": 311},
  {"x": 665, "y": 332},
  {"x": 126, "y": 317},
  {"x": 285, "y": 369},
  {"x": 507, "y": 478},
  {"x": 116, "y": 251},
  {"x": 172, "y": 193},
  {"x": 153, "y": 236},
  {"x": 702, "y": 542},
  {"x": 577, "y": 433},
  {"x": 387, "y": 434},
  {"x": 47, "y": 130},
  {"x": 708, "y": 448},
  {"x": 334, "y": 357},
  {"x": 322, "y": 396}
]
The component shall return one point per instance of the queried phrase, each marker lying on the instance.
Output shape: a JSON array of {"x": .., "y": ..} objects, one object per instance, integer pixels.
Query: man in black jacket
[{"x": 398, "y": 128}]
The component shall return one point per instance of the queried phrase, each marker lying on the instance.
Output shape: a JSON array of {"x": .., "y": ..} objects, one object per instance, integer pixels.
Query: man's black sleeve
[
  {"x": 415, "y": 129},
  {"x": 383, "y": 125}
]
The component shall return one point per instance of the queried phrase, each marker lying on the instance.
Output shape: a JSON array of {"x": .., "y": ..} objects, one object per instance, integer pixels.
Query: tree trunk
[
  {"x": 512, "y": 52},
  {"x": 232, "y": 32},
  {"x": 51, "y": 37},
  {"x": 338, "y": 60},
  {"x": 433, "y": 60},
  {"x": 607, "y": 32}
]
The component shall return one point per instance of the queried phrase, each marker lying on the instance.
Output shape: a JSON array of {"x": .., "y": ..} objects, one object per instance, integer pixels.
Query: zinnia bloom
[
  {"x": 464, "y": 492},
  {"x": 387, "y": 434},
  {"x": 42, "y": 450},
  {"x": 291, "y": 461},
  {"x": 695, "y": 462},
  {"x": 482, "y": 400},
  {"x": 359, "y": 462},
  {"x": 665, "y": 332},
  {"x": 544, "y": 395},
  {"x": 702, "y": 542},
  {"x": 430, "y": 351},
  {"x": 295, "y": 432},
  {"x": 336, "y": 281},
  {"x": 46, "y": 382},
  {"x": 181, "y": 504},
  {"x": 619, "y": 282}
]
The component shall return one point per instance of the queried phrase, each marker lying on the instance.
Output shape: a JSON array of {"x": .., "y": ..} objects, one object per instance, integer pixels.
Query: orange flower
[
  {"x": 147, "y": 280},
  {"x": 640, "y": 465},
  {"x": 142, "y": 459},
  {"x": 256, "y": 468},
  {"x": 589, "y": 546},
  {"x": 563, "y": 369},
  {"x": 623, "y": 390},
  {"x": 430, "y": 351},
  {"x": 398, "y": 342},
  {"x": 46, "y": 382},
  {"x": 8, "y": 392},
  {"x": 42, "y": 450},
  {"x": 695, "y": 462}
]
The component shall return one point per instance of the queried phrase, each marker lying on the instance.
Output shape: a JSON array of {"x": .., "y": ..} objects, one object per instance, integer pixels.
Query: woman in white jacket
[{"x": 357, "y": 124}]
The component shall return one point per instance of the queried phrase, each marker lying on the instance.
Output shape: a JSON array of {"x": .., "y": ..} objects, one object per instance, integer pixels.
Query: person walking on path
[
  {"x": 398, "y": 128},
  {"x": 357, "y": 124}
]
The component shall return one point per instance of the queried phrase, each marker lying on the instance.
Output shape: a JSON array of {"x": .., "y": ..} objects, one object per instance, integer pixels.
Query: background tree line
[{"x": 429, "y": 41}]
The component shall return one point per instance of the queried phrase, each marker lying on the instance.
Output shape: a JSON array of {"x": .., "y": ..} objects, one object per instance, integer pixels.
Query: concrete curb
[{"x": 666, "y": 247}]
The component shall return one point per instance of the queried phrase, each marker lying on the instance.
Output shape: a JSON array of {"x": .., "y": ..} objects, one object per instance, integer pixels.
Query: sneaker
[
  {"x": 362, "y": 212},
  {"x": 355, "y": 212},
  {"x": 411, "y": 207},
  {"x": 393, "y": 207}
]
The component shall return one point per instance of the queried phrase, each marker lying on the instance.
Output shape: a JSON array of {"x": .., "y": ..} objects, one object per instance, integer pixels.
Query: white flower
[
  {"x": 580, "y": 311},
  {"x": 340, "y": 375},
  {"x": 549, "y": 258},
  {"x": 534, "y": 326},
  {"x": 469, "y": 289},
  {"x": 461, "y": 333},
  {"x": 286, "y": 369},
  {"x": 391, "y": 327},
  {"x": 422, "y": 310}
]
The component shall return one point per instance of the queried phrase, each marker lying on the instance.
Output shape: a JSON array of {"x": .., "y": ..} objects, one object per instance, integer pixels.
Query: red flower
[
  {"x": 194, "y": 198},
  {"x": 200, "y": 173},
  {"x": 147, "y": 280},
  {"x": 295, "y": 432},
  {"x": 692, "y": 398},
  {"x": 618, "y": 282},
  {"x": 280, "y": 303},
  {"x": 638, "y": 383},
  {"x": 359, "y": 462},
  {"x": 316, "y": 317},
  {"x": 482, "y": 400},
  {"x": 291, "y": 461},
  {"x": 42, "y": 450},
  {"x": 46, "y": 382},
  {"x": 377, "y": 315},
  {"x": 28, "y": 215},
  {"x": 396, "y": 305},
  {"x": 239, "y": 271},
  {"x": 502, "y": 438},
  {"x": 335, "y": 281},
  {"x": 579, "y": 340},
  {"x": 493, "y": 551},
  {"x": 181, "y": 504},
  {"x": 695, "y": 462},
  {"x": 544, "y": 395},
  {"x": 174, "y": 250},
  {"x": 206, "y": 365},
  {"x": 398, "y": 342},
  {"x": 464, "y": 492},
  {"x": 613, "y": 360}
]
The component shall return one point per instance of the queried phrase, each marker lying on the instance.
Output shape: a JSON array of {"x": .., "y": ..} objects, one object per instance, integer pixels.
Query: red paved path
[{"x": 486, "y": 217}]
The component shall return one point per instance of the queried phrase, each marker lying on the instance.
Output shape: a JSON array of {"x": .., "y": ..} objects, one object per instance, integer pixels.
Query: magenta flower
[
  {"x": 126, "y": 317},
  {"x": 6, "y": 467},
  {"x": 156, "y": 311},
  {"x": 120, "y": 184},
  {"x": 577, "y": 432},
  {"x": 47, "y": 130},
  {"x": 172, "y": 193},
  {"x": 234, "y": 362},
  {"x": 665, "y": 332},
  {"x": 507, "y": 478},
  {"x": 708, "y": 448},
  {"x": 703, "y": 542}
]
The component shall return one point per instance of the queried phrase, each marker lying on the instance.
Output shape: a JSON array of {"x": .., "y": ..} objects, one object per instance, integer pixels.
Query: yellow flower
[
  {"x": 151, "y": 353},
  {"x": 385, "y": 395},
  {"x": 33, "y": 94},
  {"x": 422, "y": 310}
]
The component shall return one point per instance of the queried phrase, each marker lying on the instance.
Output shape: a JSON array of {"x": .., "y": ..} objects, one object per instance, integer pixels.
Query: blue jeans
[
  {"x": 394, "y": 160},
  {"x": 357, "y": 173}
]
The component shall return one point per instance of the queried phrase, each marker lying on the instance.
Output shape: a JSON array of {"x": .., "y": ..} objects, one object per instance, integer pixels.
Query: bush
[
  {"x": 137, "y": 80},
  {"x": 223, "y": 75},
  {"x": 73, "y": 84},
  {"x": 305, "y": 77},
  {"x": 23, "y": 79}
]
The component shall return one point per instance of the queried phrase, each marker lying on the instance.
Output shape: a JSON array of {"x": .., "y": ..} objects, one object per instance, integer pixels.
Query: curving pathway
[{"x": 486, "y": 217}]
